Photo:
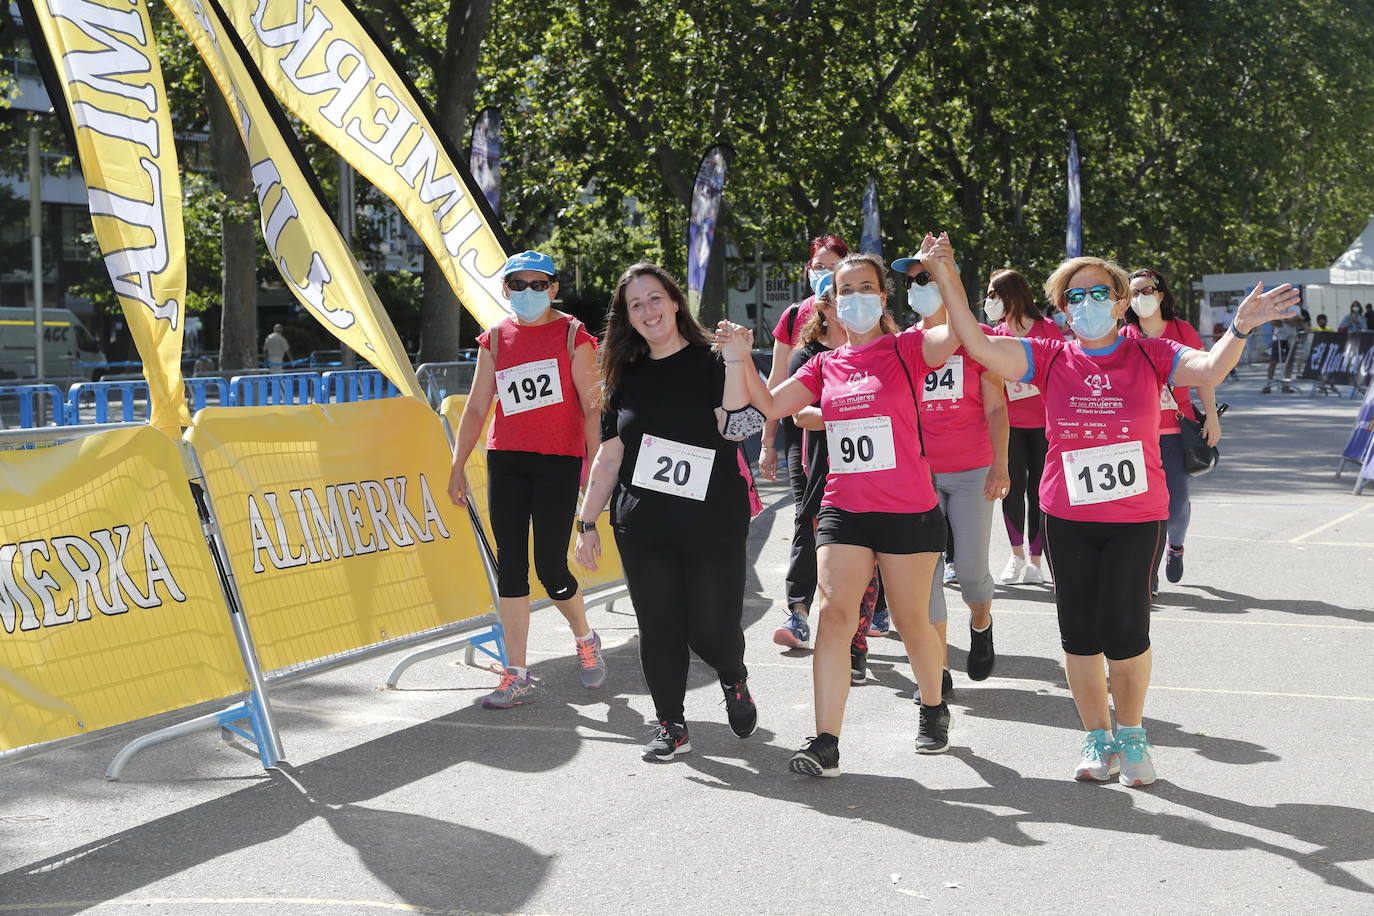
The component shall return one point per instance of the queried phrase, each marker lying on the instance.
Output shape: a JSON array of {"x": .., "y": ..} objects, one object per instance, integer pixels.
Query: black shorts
[{"x": 882, "y": 532}]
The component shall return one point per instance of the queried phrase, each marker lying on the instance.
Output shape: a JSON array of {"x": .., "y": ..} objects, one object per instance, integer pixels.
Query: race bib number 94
[
  {"x": 673, "y": 467},
  {"x": 1019, "y": 391},
  {"x": 1105, "y": 473},
  {"x": 861, "y": 445},
  {"x": 529, "y": 386},
  {"x": 945, "y": 383}
]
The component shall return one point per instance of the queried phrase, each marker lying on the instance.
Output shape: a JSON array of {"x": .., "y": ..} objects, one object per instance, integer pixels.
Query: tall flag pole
[
  {"x": 324, "y": 64},
  {"x": 485, "y": 158},
  {"x": 306, "y": 246},
  {"x": 1073, "y": 236},
  {"x": 871, "y": 240},
  {"x": 701, "y": 226},
  {"x": 100, "y": 64}
]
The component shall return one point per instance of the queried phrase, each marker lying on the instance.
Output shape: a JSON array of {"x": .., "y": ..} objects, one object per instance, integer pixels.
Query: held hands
[
  {"x": 1260, "y": 307},
  {"x": 588, "y": 550},
  {"x": 997, "y": 483},
  {"x": 937, "y": 256},
  {"x": 734, "y": 341}
]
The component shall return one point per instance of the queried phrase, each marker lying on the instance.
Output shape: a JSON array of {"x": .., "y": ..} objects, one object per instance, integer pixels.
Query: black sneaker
[
  {"x": 740, "y": 709},
  {"x": 946, "y": 686},
  {"x": 1266, "y": 389},
  {"x": 858, "y": 665},
  {"x": 1173, "y": 564},
  {"x": 820, "y": 757},
  {"x": 981, "y": 656},
  {"x": 932, "y": 737},
  {"x": 670, "y": 741}
]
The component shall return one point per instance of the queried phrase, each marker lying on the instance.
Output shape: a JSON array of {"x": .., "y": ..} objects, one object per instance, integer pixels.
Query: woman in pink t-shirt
[
  {"x": 1009, "y": 298},
  {"x": 879, "y": 501},
  {"x": 1104, "y": 492},
  {"x": 1152, "y": 315}
]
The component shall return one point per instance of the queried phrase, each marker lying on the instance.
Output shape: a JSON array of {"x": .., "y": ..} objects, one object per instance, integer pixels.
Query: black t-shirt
[
  {"x": 674, "y": 398},
  {"x": 817, "y": 453}
]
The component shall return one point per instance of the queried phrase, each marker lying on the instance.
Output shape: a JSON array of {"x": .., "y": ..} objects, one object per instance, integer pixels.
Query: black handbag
[{"x": 1198, "y": 456}]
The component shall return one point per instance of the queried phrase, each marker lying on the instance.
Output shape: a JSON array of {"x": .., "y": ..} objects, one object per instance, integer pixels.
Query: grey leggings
[
  {"x": 1180, "y": 509},
  {"x": 970, "y": 517}
]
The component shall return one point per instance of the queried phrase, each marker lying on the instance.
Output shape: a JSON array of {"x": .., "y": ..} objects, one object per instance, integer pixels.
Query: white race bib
[
  {"x": 1105, "y": 473},
  {"x": 1166, "y": 398},
  {"x": 945, "y": 383},
  {"x": 861, "y": 445},
  {"x": 673, "y": 467},
  {"x": 529, "y": 386},
  {"x": 1019, "y": 391}
]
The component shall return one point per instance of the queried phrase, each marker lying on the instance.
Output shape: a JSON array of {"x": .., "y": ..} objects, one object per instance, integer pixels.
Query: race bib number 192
[
  {"x": 529, "y": 386},
  {"x": 1105, "y": 473}
]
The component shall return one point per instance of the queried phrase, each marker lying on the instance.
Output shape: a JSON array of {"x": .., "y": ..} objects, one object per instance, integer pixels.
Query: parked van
[{"x": 69, "y": 350}]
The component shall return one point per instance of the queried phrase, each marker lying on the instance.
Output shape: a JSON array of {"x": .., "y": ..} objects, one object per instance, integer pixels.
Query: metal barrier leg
[
  {"x": 469, "y": 646},
  {"x": 224, "y": 719}
]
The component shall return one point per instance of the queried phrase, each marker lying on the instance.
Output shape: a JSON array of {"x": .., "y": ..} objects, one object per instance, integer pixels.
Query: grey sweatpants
[{"x": 970, "y": 517}]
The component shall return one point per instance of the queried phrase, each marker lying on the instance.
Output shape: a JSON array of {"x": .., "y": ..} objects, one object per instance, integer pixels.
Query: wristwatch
[{"x": 584, "y": 527}]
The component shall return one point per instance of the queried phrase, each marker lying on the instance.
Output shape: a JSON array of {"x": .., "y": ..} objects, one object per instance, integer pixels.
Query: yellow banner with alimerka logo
[
  {"x": 319, "y": 59},
  {"x": 110, "y": 82},
  {"x": 338, "y": 524},
  {"x": 110, "y": 609}
]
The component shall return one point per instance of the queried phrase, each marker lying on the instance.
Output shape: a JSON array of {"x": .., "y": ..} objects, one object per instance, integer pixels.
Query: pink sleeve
[
  {"x": 909, "y": 345},
  {"x": 1164, "y": 354},
  {"x": 484, "y": 339},
  {"x": 1189, "y": 335},
  {"x": 1042, "y": 352},
  {"x": 810, "y": 374}
]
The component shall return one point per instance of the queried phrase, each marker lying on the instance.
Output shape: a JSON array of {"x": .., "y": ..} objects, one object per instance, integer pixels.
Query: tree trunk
[
  {"x": 440, "y": 317},
  {"x": 238, "y": 335}
]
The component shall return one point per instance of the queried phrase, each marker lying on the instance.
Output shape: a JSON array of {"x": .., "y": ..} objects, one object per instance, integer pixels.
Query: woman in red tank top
[{"x": 539, "y": 365}]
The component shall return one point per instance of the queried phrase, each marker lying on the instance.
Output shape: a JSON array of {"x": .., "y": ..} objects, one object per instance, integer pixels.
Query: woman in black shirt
[{"x": 680, "y": 509}]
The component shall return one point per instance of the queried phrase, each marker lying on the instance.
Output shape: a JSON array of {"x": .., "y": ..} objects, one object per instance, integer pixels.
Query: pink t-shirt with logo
[
  {"x": 954, "y": 427},
  {"x": 1102, "y": 426},
  {"x": 793, "y": 319},
  {"x": 871, "y": 424},
  {"x": 1025, "y": 405},
  {"x": 1176, "y": 400}
]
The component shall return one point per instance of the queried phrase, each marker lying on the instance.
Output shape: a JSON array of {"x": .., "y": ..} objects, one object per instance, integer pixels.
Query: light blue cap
[
  {"x": 901, "y": 264},
  {"x": 824, "y": 285},
  {"x": 529, "y": 260}
]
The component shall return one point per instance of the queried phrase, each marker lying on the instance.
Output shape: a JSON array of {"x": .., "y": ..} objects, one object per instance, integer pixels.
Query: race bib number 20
[
  {"x": 1105, "y": 473},
  {"x": 674, "y": 468}
]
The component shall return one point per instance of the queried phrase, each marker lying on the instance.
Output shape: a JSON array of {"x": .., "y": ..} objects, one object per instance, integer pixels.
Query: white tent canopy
[{"x": 1356, "y": 266}]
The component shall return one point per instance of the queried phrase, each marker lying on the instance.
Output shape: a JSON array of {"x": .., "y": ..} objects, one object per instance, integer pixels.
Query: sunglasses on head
[
  {"x": 1100, "y": 293},
  {"x": 538, "y": 286},
  {"x": 921, "y": 279}
]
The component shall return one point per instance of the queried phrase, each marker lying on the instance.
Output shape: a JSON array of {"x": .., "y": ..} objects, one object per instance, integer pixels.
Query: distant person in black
[{"x": 673, "y": 411}]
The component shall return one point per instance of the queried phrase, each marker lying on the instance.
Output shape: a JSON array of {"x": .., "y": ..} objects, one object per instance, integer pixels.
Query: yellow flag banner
[
  {"x": 320, "y": 60},
  {"x": 338, "y": 525},
  {"x": 307, "y": 248},
  {"x": 110, "y": 609},
  {"x": 107, "y": 74}
]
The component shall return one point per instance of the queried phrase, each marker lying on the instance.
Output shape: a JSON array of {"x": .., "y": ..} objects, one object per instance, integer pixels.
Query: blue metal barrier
[
  {"x": 199, "y": 389},
  {"x": 276, "y": 388},
  {"x": 29, "y": 411},
  {"x": 98, "y": 393},
  {"x": 350, "y": 385}
]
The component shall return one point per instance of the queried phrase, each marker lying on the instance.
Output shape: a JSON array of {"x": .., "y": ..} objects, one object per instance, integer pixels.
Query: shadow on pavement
[{"x": 1224, "y": 602}]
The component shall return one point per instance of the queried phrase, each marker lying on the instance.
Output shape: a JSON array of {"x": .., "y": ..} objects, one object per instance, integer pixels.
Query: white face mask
[
  {"x": 993, "y": 308},
  {"x": 1145, "y": 306},
  {"x": 924, "y": 300},
  {"x": 814, "y": 275}
]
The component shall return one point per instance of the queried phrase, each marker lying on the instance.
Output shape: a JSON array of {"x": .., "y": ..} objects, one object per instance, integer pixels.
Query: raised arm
[
  {"x": 1209, "y": 367},
  {"x": 781, "y": 401},
  {"x": 1004, "y": 356}
]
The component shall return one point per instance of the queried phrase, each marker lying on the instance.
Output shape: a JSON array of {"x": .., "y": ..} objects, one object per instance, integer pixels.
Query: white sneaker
[
  {"x": 1012, "y": 573},
  {"x": 1100, "y": 761},
  {"x": 1137, "y": 766},
  {"x": 1031, "y": 575}
]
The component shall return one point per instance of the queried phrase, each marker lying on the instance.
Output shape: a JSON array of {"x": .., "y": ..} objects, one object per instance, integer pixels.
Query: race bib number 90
[
  {"x": 945, "y": 383},
  {"x": 1105, "y": 473},
  {"x": 1019, "y": 391},
  {"x": 673, "y": 467},
  {"x": 529, "y": 386},
  {"x": 861, "y": 445}
]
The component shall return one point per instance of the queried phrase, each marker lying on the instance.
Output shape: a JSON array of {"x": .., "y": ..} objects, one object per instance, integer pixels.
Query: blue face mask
[
  {"x": 859, "y": 312},
  {"x": 1092, "y": 320},
  {"x": 815, "y": 276},
  {"x": 1059, "y": 319},
  {"x": 529, "y": 304}
]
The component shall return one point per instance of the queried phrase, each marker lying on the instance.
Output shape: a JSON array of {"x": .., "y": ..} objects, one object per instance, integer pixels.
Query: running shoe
[
  {"x": 981, "y": 656},
  {"x": 740, "y": 709},
  {"x": 1012, "y": 573},
  {"x": 514, "y": 690},
  {"x": 950, "y": 576},
  {"x": 858, "y": 666},
  {"x": 1137, "y": 767},
  {"x": 932, "y": 736},
  {"x": 1031, "y": 575},
  {"x": 1289, "y": 389},
  {"x": 1100, "y": 758},
  {"x": 669, "y": 741},
  {"x": 881, "y": 625},
  {"x": 794, "y": 634},
  {"x": 1266, "y": 389},
  {"x": 820, "y": 757},
  {"x": 591, "y": 665},
  {"x": 1173, "y": 564},
  {"x": 946, "y": 686}
]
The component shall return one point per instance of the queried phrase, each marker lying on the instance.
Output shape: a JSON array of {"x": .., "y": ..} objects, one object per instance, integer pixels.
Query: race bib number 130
[{"x": 1105, "y": 473}]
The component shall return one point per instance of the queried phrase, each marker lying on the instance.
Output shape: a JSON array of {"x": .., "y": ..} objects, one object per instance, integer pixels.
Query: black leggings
[
  {"x": 688, "y": 595},
  {"x": 1021, "y": 506},
  {"x": 525, "y": 487},
  {"x": 801, "y": 567},
  {"x": 1102, "y": 584}
]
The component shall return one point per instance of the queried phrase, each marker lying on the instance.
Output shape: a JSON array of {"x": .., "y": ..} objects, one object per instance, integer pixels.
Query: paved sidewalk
[{"x": 414, "y": 800}]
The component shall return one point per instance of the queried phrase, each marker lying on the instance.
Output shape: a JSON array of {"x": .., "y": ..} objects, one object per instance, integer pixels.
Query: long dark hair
[
  {"x": 622, "y": 345},
  {"x": 1166, "y": 296},
  {"x": 1017, "y": 297}
]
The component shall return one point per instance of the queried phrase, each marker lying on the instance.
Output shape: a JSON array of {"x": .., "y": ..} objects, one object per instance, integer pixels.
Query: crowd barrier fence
[{"x": 30, "y": 397}]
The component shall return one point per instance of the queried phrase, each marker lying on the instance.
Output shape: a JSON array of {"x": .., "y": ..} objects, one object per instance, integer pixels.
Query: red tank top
[{"x": 537, "y": 407}]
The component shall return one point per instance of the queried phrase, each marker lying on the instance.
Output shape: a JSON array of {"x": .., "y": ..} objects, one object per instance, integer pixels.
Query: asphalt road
[{"x": 414, "y": 800}]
